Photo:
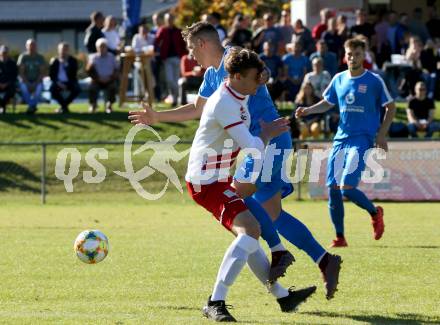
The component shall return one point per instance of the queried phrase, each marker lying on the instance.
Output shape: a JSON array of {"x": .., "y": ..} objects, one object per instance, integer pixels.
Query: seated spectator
[
  {"x": 274, "y": 63},
  {"x": 420, "y": 112},
  {"x": 103, "y": 69},
  {"x": 8, "y": 78},
  {"x": 329, "y": 58},
  {"x": 142, "y": 39},
  {"x": 318, "y": 77},
  {"x": 63, "y": 74},
  {"x": 94, "y": 31},
  {"x": 296, "y": 65},
  {"x": 240, "y": 35},
  {"x": 111, "y": 35},
  {"x": 31, "y": 68},
  {"x": 192, "y": 77},
  {"x": 309, "y": 125}
]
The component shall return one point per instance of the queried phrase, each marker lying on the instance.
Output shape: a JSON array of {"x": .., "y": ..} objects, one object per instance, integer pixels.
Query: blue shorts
[
  {"x": 269, "y": 185},
  {"x": 346, "y": 161}
]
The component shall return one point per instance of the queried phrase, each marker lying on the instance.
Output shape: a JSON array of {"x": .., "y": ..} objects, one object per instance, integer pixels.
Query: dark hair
[
  {"x": 95, "y": 15},
  {"x": 240, "y": 60},
  {"x": 216, "y": 15},
  {"x": 353, "y": 43},
  {"x": 200, "y": 29}
]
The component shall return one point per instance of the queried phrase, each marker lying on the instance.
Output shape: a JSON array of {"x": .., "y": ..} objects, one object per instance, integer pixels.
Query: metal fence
[{"x": 411, "y": 169}]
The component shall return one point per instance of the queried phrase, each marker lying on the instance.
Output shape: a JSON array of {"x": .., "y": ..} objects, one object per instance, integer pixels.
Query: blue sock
[
  {"x": 299, "y": 235},
  {"x": 358, "y": 197},
  {"x": 336, "y": 209},
  {"x": 268, "y": 231}
]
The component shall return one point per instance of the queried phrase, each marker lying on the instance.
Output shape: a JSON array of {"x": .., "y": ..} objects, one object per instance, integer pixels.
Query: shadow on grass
[
  {"x": 15, "y": 177},
  {"x": 397, "y": 319},
  {"x": 405, "y": 246}
]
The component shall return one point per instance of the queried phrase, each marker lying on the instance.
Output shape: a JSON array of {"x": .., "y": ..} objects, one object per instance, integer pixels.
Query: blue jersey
[
  {"x": 260, "y": 105},
  {"x": 360, "y": 100}
]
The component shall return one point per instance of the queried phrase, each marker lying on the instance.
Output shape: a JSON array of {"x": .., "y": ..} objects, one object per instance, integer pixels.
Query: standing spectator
[
  {"x": 433, "y": 23},
  {"x": 309, "y": 125},
  {"x": 395, "y": 32},
  {"x": 8, "y": 78},
  {"x": 240, "y": 34},
  {"x": 63, "y": 74},
  {"x": 31, "y": 68},
  {"x": 382, "y": 47},
  {"x": 267, "y": 33},
  {"x": 274, "y": 63},
  {"x": 156, "y": 63},
  {"x": 429, "y": 59},
  {"x": 192, "y": 77},
  {"x": 304, "y": 36},
  {"x": 341, "y": 23},
  {"x": 417, "y": 27},
  {"x": 321, "y": 27},
  {"x": 329, "y": 58},
  {"x": 93, "y": 32},
  {"x": 214, "y": 19},
  {"x": 296, "y": 64},
  {"x": 332, "y": 39},
  {"x": 362, "y": 27},
  {"x": 420, "y": 112},
  {"x": 286, "y": 29},
  {"x": 172, "y": 47},
  {"x": 318, "y": 77},
  {"x": 111, "y": 34},
  {"x": 103, "y": 69}
]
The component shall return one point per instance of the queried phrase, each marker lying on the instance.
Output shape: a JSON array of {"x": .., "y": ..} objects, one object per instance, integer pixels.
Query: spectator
[
  {"x": 433, "y": 23},
  {"x": 395, "y": 33},
  {"x": 429, "y": 59},
  {"x": 111, "y": 34},
  {"x": 103, "y": 69},
  {"x": 321, "y": 27},
  {"x": 142, "y": 39},
  {"x": 267, "y": 33},
  {"x": 309, "y": 125},
  {"x": 31, "y": 68},
  {"x": 172, "y": 47},
  {"x": 8, "y": 78},
  {"x": 362, "y": 27},
  {"x": 214, "y": 19},
  {"x": 286, "y": 29},
  {"x": 332, "y": 39},
  {"x": 420, "y": 113},
  {"x": 296, "y": 65},
  {"x": 382, "y": 47},
  {"x": 341, "y": 23},
  {"x": 416, "y": 25},
  {"x": 274, "y": 63},
  {"x": 93, "y": 32},
  {"x": 192, "y": 77},
  {"x": 63, "y": 74},
  {"x": 304, "y": 36},
  {"x": 406, "y": 34},
  {"x": 156, "y": 63},
  {"x": 240, "y": 34},
  {"x": 329, "y": 58},
  {"x": 415, "y": 73},
  {"x": 318, "y": 77}
]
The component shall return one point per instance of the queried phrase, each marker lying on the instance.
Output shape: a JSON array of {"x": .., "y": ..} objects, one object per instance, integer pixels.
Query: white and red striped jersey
[{"x": 223, "y": 128}]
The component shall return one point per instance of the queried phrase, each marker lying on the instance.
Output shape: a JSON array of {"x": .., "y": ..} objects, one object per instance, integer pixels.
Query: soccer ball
[{"x": 91, "y": 246}]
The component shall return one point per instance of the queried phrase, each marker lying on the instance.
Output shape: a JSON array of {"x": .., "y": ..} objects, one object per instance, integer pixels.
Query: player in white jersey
[{"x": 223, "y": 130}]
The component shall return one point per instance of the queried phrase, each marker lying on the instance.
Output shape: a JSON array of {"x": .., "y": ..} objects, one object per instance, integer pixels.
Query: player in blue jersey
[
  {"x": 360, "y": 95},
  {"x": 263, "y": 198}
]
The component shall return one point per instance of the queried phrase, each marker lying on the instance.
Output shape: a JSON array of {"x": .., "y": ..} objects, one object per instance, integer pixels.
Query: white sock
[
  {"x": 277, "y": 248},
  {"x": 260, "y": 266},
  {"x": 233, "y": 261},
  {"x": 320, "y": 258}
]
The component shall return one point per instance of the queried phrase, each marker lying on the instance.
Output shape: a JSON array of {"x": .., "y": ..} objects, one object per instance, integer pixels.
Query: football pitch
[{"x": 164, "y": 256}]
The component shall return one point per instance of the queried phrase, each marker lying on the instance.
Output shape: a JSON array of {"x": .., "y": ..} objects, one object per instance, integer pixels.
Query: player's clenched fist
[
  {"x": 300, "y": 111},
  {"x": 274, "y": 128}
]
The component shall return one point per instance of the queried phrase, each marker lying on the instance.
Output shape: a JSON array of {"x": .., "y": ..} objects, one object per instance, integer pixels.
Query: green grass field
[{"x": 164, "y": 256}]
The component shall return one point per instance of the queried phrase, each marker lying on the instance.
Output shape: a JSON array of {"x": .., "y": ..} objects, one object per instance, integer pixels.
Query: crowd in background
[{"x": 403, "y": 49}]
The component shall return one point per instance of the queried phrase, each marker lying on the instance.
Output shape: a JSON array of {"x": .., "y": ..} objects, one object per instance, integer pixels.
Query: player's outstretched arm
[
  {"x": 321, "y": 107},
  {"x": 390, "y": 111},
  {"x": 149, "y": 116}
]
